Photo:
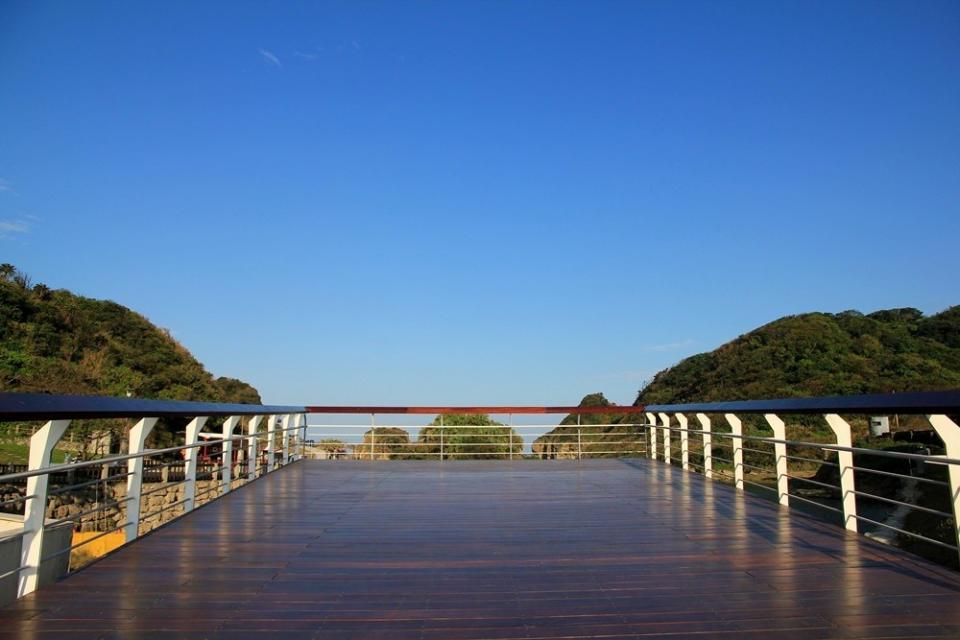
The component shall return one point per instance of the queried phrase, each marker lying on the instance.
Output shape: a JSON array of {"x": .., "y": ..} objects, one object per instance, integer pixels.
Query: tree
[
  {"x": 593, "y": 435},
  {"x": 42, "y": 291},
  {"x": 815, "y": 354},
  {"x": 384, "y": 443},
  {"x": 22, "y": 280},
  {"x": 237, "y": 391},
  {"x": 9, "y": 273},
  {"x": 469, "y": 437},
  {"x": 329, "y": 448},
  {"x": 58, "y": 342}
]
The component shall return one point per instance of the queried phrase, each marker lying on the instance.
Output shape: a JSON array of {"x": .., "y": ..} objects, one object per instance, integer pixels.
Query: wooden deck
[{"x": 553, "y": 549}]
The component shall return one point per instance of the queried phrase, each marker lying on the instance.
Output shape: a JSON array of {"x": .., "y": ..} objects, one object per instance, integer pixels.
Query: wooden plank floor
[{"x": 552, "y": 549}]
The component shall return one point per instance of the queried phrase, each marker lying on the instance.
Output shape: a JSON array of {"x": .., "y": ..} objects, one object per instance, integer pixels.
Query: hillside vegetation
[
  {"x": 812, "y": 354},
  {"x": 817, "y": 354},
  {"x": 53, "y": 341},
  {"x": 455, "y": 436},
  {"x": 594, "y": 435}
]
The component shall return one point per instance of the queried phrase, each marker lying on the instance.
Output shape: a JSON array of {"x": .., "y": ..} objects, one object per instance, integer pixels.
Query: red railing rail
[{"x": 475, "y": 410}]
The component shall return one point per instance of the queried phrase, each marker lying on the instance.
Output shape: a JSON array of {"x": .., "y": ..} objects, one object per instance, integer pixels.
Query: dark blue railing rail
[
  {"x": 913, "y": 403},
  {"x": 41, "y": 406}
]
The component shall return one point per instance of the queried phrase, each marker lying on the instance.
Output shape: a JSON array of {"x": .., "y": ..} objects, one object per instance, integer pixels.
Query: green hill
[
  {"x": 817, "y": 354},
  {"x": 593, "y": 435},
  {"x": 895, "y": 350},
  {"x": 812, "y": 354},
  {"x": 53, "y": 341}
]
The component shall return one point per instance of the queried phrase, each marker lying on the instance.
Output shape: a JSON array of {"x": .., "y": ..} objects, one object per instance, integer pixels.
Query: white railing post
[
  {"x": 285, "y": 438},
  {"x": 684, "y": 441},
  {"x": 34, "y": 511},
  {"x": 293, "y": 434},
  {"x": 780, "y": 457},
  {"x": 949, "y": 432},
  {"x": 190, "y": 459},
  {"x": 665, "y": 421},
  {"x": 138, "y": 439},
  {"x": 579, "y": 443},
  {"x": 736, "y": 428},
  {"x": 297, "y": 443},
  {"x": 226, "y": 458},
  {"x": 271, "y": 463},
  {"x": 252, "y": 447},
  {"x": 845, "y": 459},
  {"x": 303, "y": 436},
  {"x": 707, "y": 445},
  {"x": 652, "y": 421}
]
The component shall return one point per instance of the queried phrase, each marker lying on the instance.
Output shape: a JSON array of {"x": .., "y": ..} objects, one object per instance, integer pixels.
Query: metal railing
[
  {"x": 238, "y": 452},
  {"x": 919, "y": 481},
  {"x": 249, "y": 441},
  {"x": 477, "y": 441},
  {"x": 835, "y": 477},
  {"x": 440, "y": 440}
]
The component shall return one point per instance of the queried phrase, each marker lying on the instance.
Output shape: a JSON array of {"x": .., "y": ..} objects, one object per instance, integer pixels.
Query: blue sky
[{"x": 489, "y": 202}]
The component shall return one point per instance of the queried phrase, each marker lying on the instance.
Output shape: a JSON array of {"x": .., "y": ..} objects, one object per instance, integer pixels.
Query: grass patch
[{"x": 16, "y": 453}]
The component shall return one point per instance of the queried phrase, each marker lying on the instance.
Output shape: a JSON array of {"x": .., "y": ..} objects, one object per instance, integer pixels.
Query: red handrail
[{"x": 475, "y": 410}]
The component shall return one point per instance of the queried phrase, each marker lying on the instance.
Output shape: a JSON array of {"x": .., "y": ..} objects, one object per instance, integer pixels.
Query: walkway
[{"x": 499, "y": 549}]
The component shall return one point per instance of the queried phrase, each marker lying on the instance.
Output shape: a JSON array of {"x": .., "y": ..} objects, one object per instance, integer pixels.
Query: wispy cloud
[
  {"x": 306, "y": 56},
  {"x": 271, "y": 58},
  {"x": 5, "y": 187},
  {"x": 356, "y": 45},
  {"x": 671, "y": 346},
  {"x": 11, "y": 228}
]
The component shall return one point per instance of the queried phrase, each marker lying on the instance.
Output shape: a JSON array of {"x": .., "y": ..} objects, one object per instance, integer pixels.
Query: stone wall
[{"x": 81, "y": 505}]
